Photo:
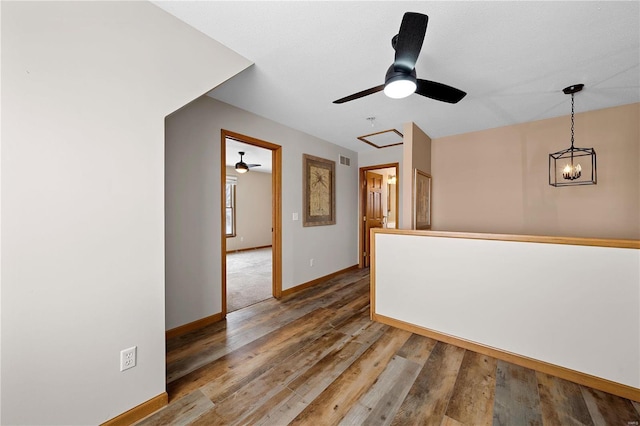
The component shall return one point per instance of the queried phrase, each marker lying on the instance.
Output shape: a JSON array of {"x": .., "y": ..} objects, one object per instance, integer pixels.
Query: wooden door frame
[
  {"x": 363, "y": 203},
  {"x": 276, "y": 210}
]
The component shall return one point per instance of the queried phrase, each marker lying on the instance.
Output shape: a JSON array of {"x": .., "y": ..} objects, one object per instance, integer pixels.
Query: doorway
[
  {"x": 248, "y": 255},
  {"x": 379, "y": 203}
]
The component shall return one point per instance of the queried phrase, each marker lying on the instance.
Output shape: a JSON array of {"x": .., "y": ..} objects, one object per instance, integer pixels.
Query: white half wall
[
  {"x": 85, "y": 89},
  {"x": 193, "y": 138},
  {"x": 574, "y": 306}
]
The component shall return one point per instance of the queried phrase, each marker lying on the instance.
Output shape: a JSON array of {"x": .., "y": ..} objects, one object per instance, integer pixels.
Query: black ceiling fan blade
[
  {"x": 254, "y": 165},
  {"x": 360, "y": 94},
  {"x": 439, "y": 91},
  {"x": 409, "y": 40}
]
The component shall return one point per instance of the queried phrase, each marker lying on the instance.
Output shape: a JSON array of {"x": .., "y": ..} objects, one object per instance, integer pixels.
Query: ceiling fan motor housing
[{"x": 394, "y": 74}]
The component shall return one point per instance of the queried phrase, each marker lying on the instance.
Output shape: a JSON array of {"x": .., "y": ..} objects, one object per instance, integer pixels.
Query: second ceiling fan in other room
[
  {"x": 400, "y": 80},
  {"x": 242, "y": 167}
]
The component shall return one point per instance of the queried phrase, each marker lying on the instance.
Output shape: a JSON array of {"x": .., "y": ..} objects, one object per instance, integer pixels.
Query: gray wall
[
  {"x": 193, "y": 208},
  {"x": 85, "y": 89}
]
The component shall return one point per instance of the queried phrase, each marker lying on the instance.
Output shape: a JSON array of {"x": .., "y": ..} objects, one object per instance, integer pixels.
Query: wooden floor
[{"x": 315, "y": 358}]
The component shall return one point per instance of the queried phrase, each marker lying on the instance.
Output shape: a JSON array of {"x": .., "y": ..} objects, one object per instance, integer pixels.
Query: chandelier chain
[{"x": 572, "y": 121}]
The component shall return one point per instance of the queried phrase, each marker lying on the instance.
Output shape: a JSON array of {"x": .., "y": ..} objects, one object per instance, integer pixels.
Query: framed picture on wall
[
  {"x": 421, "y": 200},
  {"x": 319, "y": 191}
]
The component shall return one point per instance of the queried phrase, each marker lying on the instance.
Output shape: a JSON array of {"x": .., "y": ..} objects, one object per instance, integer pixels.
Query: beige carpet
[{"x": 248, "y": 278}]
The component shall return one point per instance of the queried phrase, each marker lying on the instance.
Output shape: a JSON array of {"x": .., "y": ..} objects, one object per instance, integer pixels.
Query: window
[{"x": 230, "y": 198}]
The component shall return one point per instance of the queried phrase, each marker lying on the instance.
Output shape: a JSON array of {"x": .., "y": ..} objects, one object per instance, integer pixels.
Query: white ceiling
[
  {"x": 512, "y": 58},
  {"x": 252, "y": 155}
]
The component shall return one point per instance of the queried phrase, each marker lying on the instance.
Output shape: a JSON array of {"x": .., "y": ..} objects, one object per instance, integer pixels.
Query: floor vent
[{"x": 345, "y": 160}]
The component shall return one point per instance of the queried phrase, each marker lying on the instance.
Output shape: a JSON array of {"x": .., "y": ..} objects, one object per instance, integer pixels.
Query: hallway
[{"x": 315, "y": 358}]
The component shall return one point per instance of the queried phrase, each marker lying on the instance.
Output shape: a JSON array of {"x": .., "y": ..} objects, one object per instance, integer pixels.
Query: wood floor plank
[
  {"x": 191, "y": 343},
  {"x": 234, "y": 338},
  {"x": 381, "y": 403},
  {"x": 251, "y": 323},
  {"x": 561, "y": 402},
  {"x": 208, "y": 418},
  {"x": 207, "y": 350},
  {"x": 448, "y": 421},
  {"x": 259, "y": 391},
  {"x": 378, "y": 405},
  {"x": 516, "y": 398},
  {"x": 473, "y": 394},
  {"x": 427, "y": 400},
  {"x": 187, "y": 343},
  {"x": 358, "y": 304},
  {"x": 214, "y": 350},
  {"x": 333, "y": 403},
  {"x": 355, "y": 328},
  {"x": 417, "y": 349},
  {"x": 263, "y": 358},
  {"x": 181, "y": 412},
  {"x": 270, "y": 413},
  {"x": 333, "y": 290},
  {"x": 607, "y": 409},
  {"x": 251, "y": 357},
  {"x": 297, "y": 357},
  {"x": 314, "y": 381}
]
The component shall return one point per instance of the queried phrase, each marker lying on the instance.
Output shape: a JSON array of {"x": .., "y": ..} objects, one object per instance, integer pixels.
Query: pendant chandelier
[{"x": 572, "y": 166}]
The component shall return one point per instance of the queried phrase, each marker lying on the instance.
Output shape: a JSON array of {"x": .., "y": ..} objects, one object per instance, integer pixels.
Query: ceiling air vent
[{"x": 345, "y": 160}]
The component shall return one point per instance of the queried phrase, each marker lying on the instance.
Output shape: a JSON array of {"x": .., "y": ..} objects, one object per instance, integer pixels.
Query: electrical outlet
[
  {"x": 295, "y": 216},
  {"x": 128, "y": 358},
  {"x": 310, "y": 262}
]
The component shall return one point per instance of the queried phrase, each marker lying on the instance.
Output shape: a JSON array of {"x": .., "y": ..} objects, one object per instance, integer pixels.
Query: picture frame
[
  {"x": 421, "y": 200},
  {"x": 318, "y": 191}
]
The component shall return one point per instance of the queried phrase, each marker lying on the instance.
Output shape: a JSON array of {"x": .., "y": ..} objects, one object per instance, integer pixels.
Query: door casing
[
  {"x": 363, "y": 205},
  {"x": 276, "y": 214},
  {"x": 374, "y": 211}
]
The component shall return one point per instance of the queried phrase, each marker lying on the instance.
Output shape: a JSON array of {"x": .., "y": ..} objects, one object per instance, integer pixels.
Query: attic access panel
[{"x": 383, "y": 139}]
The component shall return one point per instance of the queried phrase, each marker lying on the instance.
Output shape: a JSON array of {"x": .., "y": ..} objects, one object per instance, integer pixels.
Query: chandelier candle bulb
[{"x": 572, "y": 172}]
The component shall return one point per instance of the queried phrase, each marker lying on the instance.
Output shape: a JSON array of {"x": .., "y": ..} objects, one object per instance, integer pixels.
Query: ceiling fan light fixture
[
  {"x": 242, "y": 167},
  {"x": 399, "y": 83},
  {"x": 400, "y": 88}
]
